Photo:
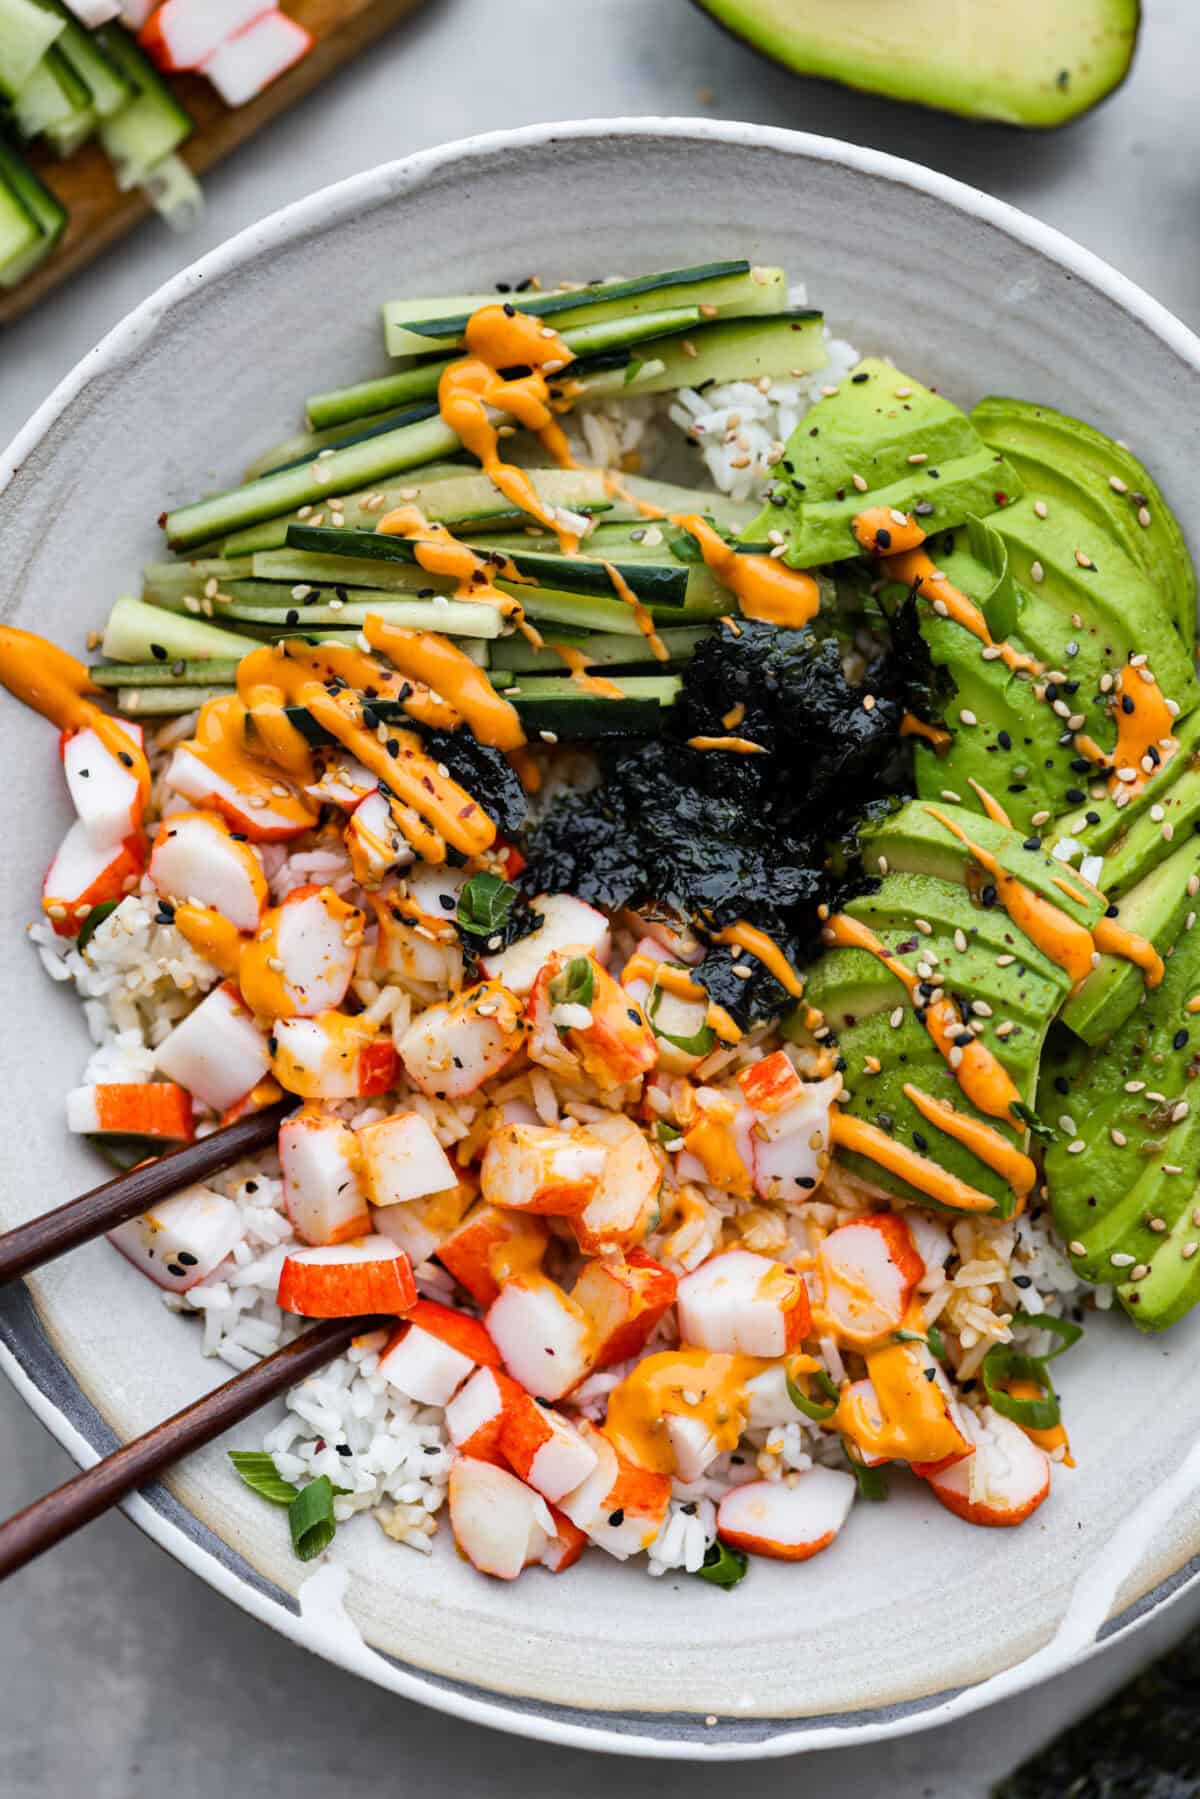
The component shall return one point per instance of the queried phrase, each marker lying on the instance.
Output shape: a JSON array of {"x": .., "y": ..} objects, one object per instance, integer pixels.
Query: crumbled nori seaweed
[
  {"x": 721, "y": 836},
  {"x": 1143, "y": 1743},
  {"x": 484, "y": 773}
]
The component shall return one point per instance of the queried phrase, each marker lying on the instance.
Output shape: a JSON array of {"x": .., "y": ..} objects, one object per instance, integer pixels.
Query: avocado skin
[
  {"x": 870, "y": 430},
  {"x": 1157, "y": 907},
  {"x": 1042, "y": 105},
  {"x": 1104, "y": 1196},
  {"x": 1061, "y": 458}
]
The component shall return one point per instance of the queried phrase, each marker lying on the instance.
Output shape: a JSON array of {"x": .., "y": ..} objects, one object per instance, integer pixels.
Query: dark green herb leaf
[
  {"x": 872, "y": 1482},
  {"x": 936, "y": 1343},
  {"x": 812, "y": 1408},
  {"x": 698, "y": 1044},
  {"x": 1029, "y": 1117},
  {"x": 723, "y": 1566},
  {"x": 633, "y": 369},
  {"x": 257, "y": 1469},
  {"x": 484, "y": 904},
  {"x": 310, "y": 1516},
  {"x": 667, "y": 1133},
  {"x": 684, "y": 547},
  {"x": 93, "y": 921},
  {"x": 574, "y": 984}
]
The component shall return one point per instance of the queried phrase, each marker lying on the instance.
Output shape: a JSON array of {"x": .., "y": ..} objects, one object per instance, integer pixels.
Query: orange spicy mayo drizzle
[
  {"x": 1114, "y": 940},
  {"x": 439, "y": 552},
  {"x": 756, "y": 943},
  {"x": 580, "y": 667},
  {"x": 910, "y": 1420},
  {"x": 249, "y": 961},
  {"x": 678, "y": 982},
  {"x": 432, "y": 659},
  {"x": 915, "y": 568},
  {"x": 641, "y": 617},
  {"x": 883, "y": 530},
  {"x": 738, "y": 746},
  {"x": 936, "y": 735},
  {"x": 50, "y": 681},
  {"x": 691, "y": 1383},
  {"x": 856, "y": 1135},
  {"x": 990, "y": 804},
  {"x": 995, "y": 1151},
  {"x": 981, "y": 1075},
  {"x": 764, "y": 586},
  {"x": 1144, "y": 723}
]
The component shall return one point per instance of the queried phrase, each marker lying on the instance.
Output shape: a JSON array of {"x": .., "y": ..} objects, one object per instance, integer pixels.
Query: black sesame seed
[
  {"x": 920, "y": 1142},
  {"x": 187, "y": 1258},
  {"x": 883, "y": 540},
  {"x": 1022, "y": 1280},
  {"x": 1180, "y": 1040},
  {"x": 1061, "y": 1084},
  {"x": 157, "y": 651},
  {"x": 617, "y": 1518},
  {"x": 1004, "y": 740}
]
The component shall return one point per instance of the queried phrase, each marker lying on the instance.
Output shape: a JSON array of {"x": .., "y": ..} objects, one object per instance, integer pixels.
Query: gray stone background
[{"x": 121, "y": 1676}]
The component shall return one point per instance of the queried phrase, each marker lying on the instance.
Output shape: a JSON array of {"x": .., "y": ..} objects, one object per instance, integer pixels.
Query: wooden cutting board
[{"x": 99, "y": 215}]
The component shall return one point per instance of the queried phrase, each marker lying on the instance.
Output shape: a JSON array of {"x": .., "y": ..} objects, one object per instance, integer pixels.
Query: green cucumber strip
[
  {"x": 22, "y": 242},
  {"x": 457, "y": 496},
  {"x": 167, "y": 702},
  {"x": 29, "y": 196},
  {"x": 343, "y": 471},
  {"x": 412, "y": 327},
  {"x": 732, "y": 350},
  {"x": 604, "y": 649},
  {"x": 107, "y": 85},
  {"x": 726, "y": 514},
  {"x": 181, "y": 673},
  {"x": 454, "y": 618},
  {"x": 344, "y": 404},
  {"x": 319, "y": 444},
  {"x": 557, "y": 705},
  {"x": 53, "y": 99},
  {"x": 26, "y": 33},
  {"x": 139, "y": 633},
  {"x": 167, "y": 581},
  {"x": 148, "y": 127}
]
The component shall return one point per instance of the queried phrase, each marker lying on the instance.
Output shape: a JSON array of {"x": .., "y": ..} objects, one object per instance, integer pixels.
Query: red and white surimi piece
[
  {"x": 253, "y": 58},
  {"x": 157, "y": 1109},
  {"x": 738, "y": 1302},
  {"x": 567, "y": 924},
  {"x": 869, "y": 1269},
  {"x": 341, "y": 1280},
  {"x": 451, "y": 1049},
  {"x": 475, "y": 1416},
  {"x": 82, "y": 876},
  {"x": 674, "y": 1016},
  {"x": 1005, "y": 1480},
  {"x": 134, "y": 13},
  {"x": 183, "y": 34},
  {"x": 315, "y": 937},
  {"x": 181, "y": 1240},
  {"x": 624, "y": 1300},
  {"x": 790, "y": 1136},
  {"x": 105, "y": 793},
  {"x": 343, "y": 782},
  {"x": 619, "y": 1505},
  {"x": 487, "y": 1238},
  {"x": 322, "y": 1193},
  {"x": 625, "y": 1202},
  {"x": 565, "y": 1546},
  {"x": 534, "y": 1168},
  {"x": 435, "y": 1351},
  {"x": 421, "y": 1226},
  {"x": 191, "y": 776},
  {"x": 544, "y": 1448},
  {"x": 692, "y": 1444},
  {"x": 402, "y": 1160},
  {"x": 374, "y": 841},
  {"x": 329, "y": 1057},
  {"x": 788, "y": 1520},
  {"x": 499, "y": 1523},
  {"x": 543, "y": 1336},
  {"x": 194, "y": 858},
  {"x": 217, "y": 1052}
]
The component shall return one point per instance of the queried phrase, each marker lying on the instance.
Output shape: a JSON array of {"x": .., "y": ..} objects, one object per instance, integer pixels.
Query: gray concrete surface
[{"x": 121, "y": 1677}]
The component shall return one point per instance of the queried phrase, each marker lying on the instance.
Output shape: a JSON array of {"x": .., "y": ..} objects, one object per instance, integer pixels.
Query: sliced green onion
[
  {"x": 310, "y": 1516},
  {"x": 257, "y": 1470},
  {"x": 1030, "y": 1119},
  {"x": 93, "y": 921},
  {"x": 697, "y": 1045},
  {"x": 723, "y": 1566},
  {"x": 484, "y": 904},
  {"x": 812, "y": 1408},
  {"x": 666, "y": 1133},
  {"x": 872, "y": 1482},
  {"x": 1058, "y": 1327},
  {"x": 1002, "y": 1365},
  {"x": 936, "y": 1342},
  {"x": 575, "y": 984}
]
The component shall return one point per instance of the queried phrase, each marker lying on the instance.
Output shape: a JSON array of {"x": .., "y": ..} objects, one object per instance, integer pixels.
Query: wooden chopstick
[
  {"x": 55, "y": 1516},
  {"x": 29, "y": 1245}
]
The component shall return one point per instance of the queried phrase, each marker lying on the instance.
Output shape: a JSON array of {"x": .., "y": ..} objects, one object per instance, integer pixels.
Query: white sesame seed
[
  {"x": 923, "y": 925},
  {"x": 1118, "y": 1137},
  {"x": 1005, "y": 961},
  {"x": 1083, "y": 559},
  {"x": 1077, "y": 1148},
  {"x": 899, "y": 518},
  {"x": 960, "y": 940},
  {"x": 1121, "y": 1259},
  {"x": 955, "y": 1057},
  {"x": 1076, "y": 1247},
  {"x": 897, "y": 1018},
  {"x": 1005, "y": 1028},
  {"x": 1189, "y": 1250},
  {"x": 918, "y": 456},
  {"x": 955, "y": 799},
  {"x": 1040, "y": 818},
  {"x": 941, "y": 608},
  {"x": 1066, "y": 1123},
  {"x": 1041, "y": 508},
  {"x": 1036, "y": 571},
  {"x": 1117, "y": 485},
  {"x": 902, "y": 393},
  {"x": 981, "y": 1008},
  {"x": 1143, "y": 517},
  {"x": 1135, "y": 1086},
  {"x": 859, "y": 483},
  {"x": 967, "y": 716},
  {"x": 1140, "y": 1272}
]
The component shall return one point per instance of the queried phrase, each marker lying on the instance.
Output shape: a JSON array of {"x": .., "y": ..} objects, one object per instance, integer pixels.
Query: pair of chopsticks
[{"x": 55, "y": 1516}]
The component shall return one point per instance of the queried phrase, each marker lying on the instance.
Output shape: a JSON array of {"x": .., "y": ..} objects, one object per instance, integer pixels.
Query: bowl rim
[{"x": 28, "y": 1359}]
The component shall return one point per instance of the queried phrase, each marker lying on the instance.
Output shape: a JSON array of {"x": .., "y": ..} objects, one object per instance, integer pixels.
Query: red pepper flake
[{"x": 1000, "y": 497}]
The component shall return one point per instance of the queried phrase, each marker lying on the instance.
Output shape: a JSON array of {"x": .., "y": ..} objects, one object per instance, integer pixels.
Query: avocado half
[{"x": 1020, "y": 62}]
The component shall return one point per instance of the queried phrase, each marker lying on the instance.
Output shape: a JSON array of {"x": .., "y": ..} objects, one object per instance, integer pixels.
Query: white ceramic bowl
[{"x": 913, "y": 1616}]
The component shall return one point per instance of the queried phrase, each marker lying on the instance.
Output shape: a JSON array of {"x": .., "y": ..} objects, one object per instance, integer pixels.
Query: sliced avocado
[
  {"x": 871, "y": 427},
  {"x": 1111, "y": 824},
  {"x": 1024, "y": 63},
  {"x": 1150, "y": 840},
  {"x": 1156, "y": 908},
  {"x": 1122, "y": 1173},
  {"x": 1060, "y": 458}
]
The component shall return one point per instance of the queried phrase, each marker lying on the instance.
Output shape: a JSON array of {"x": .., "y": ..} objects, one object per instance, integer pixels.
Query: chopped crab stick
[
  {"x": 183, "y": 34},
  {"x": 869, "y": 1270},
  {"x": 402, "y": 1159},
  {"x": 905, "y": 1411},
  {"x": 533, "y": 1168},
  {"x": 475, "y": 1416},
  {"x": 543, "y": 1448},
  {"x": 741, "y": 1302},
  {"x": 788, "y": 1520},
  {"x": 567, "y": 924},
  {"x": 332, "y": 1056},
  {"x": 693, "y": 1444},
  {"x": 434, "y": 1352},
  {"x": 183, "y": 1239},
  {"x": 374, "y": 844},
  {"x": 131, "y": 1109},
  {"x": 302, "y": 959},
  {"x": 624, "y": 1205},
  {"x": 421, "y": 1226},
  {"x": 82, "y": 876},
  {"x": 674, "y": 1015},
  {"x": 543, "y": 1335},
  {"x": 217, "y": 1052},
  {"x": 790, "y": 1138},
  {"x": 499, "y": 1523},
  {"x": 625, "y": 1300},
  {"x": 451, "y": 1049},
  {"x": 340, "y": 1280},
  {"x": 408, "y": 950},
  {"x": 619, "y": 1505},
  {"x": 343, "y": 782},
  {"x": 608, "y": 1038},
  {"x": 252, "y": 59},
  {"x": 565, "y": 1546},
  {"x": 1005, "y": 1480},
  {"x": 489, "y": 1245},
  {"x": 105, "y": 792},
  {"x": 206, "y": 784},
  {"x": 322, "y": 1192},
  {"x": 196, "y": 859}
]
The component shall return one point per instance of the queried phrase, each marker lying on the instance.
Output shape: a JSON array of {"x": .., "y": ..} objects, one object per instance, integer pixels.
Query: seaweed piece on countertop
[{"x": 1142, "y": 1743}]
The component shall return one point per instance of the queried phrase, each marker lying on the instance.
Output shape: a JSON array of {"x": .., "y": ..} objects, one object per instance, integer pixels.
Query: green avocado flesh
[
  {"x": 1022, "y": 63},
  {"x": 871, "y": 428}
]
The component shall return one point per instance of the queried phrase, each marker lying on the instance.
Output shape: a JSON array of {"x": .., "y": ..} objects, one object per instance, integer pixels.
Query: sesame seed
[
  {"x": 902, "y": 393},
  {"x": 1135, "y": 1086},
  {"x": 899, "y": 518},
  {"x": 1168, "y": 830},
  {"x": 1036, "y": 571},
  {"x": 1118, "y": 1137},
  {"x": 1076, "y": 1247},
  {"x": 1076, "y": 1149},
  {"x": 1005, "y": 1028},
  {"x": 743, "y": 973},
  {"x": 941, "y": 608},
  {"x": 1117, "y": 485},
  {"x": 955, "y": 799},
  {"x": 1041, "y": 508},
  {"x": 955, "y": 1057},
  {"x": 897, "y": 1018},
  {"x": 1083, "y": 559},
  {"x": 1140, "y": 1272},
  {"x": 872, "y": 1064},
  {"x": 918, "y": 456},
  {"x": 829, "y": 392},
  {"x": 1004, "y": 961},
  {"x": 1180, "y": 1112},
  {"x": 1157, "y": 1225},
  {"x": 1120, "y": 1259},
  {"x": 1189, "y": 1250},
  {"x": 548, "y": 736},
  {"x": 688, "y": 347},
  {"x": 991, "y": 651},
  {"x": 1143, "y": 517},
  {"x": 869, "y": 702},
  {"x": 1040, "y": 818},
  {"x": 301, "y": 591},
  {"x": 883, "y": 865},
  {"x": 923, "y": 925},
  {"x": 967, "y": 716},
  {"x": 859, "y": 483},
  {"x": 960, "y": 940}
]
